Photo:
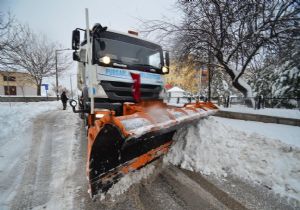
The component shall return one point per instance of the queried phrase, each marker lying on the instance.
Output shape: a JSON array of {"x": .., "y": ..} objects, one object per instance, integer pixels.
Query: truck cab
[{"x": 117, "y": 60}]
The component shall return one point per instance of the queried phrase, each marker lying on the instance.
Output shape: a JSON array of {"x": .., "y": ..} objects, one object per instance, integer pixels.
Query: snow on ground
[
  {"x": 64, "y": 159},
  {"x": 16, "y": 128},
  {"x": 285, "y": 133},
  {"x": 288, "y": 113},
  {"x": 217, "y": 147},
  {"x": 16, "y": 116},
  {"x": 16, "y": 134},
  {"x": 250, "y": 150}
]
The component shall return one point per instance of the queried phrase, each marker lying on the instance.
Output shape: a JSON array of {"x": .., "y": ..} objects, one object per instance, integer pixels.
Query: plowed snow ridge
[{"x": 212, "y": 147}]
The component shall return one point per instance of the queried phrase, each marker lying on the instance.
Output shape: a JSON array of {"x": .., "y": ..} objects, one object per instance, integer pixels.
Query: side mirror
[
  {"x": 73, "y": 103},
  {"x": 75, "y": 39},
  {"x": 76, "y": 56},
  {"x": 167, "y": 57}
]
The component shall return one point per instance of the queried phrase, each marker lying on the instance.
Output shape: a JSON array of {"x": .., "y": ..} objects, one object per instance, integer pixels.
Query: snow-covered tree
[
  {"x": 279, "y": 77},
  {"x": 229, "y": 34}
]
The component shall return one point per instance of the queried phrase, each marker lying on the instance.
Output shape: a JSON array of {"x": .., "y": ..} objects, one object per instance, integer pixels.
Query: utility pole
[
  {"x": 200, "y": 70},
  {"x": 56, "y": 70},
  {"x": 56, "y": 75},
  {"x": 210, "y": 66},
  {"x": 209, "y": 85},
  {"x": 71, "y": 85}
]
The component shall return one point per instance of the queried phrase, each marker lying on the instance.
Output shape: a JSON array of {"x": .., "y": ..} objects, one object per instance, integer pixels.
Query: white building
[
  {"x": 176, "y": 95},
  {"x": 176, "y": 92},
  {"x": 17, "y": 84}
]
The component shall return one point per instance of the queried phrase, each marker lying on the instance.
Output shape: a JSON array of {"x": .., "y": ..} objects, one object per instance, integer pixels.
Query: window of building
[
  {"x": 9, "y": 78},
  {"x": 10, "y": 90}
]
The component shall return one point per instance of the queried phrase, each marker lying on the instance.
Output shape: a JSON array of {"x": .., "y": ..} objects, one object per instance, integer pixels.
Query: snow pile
[
  {"x": 128, "y": 180},
  {"x": 285, "y": 133},
  {"x": 288, "y": 113},
  {"x": 211, "y": 147},
  {"x": 15, "y": 116}
]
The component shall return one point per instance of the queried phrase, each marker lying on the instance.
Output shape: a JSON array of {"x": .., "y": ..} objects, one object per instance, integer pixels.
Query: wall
[
  {"x": 1, "y": 90},
  {"x": 25, "y": 99},
  {"x": 28, "y": 91}
]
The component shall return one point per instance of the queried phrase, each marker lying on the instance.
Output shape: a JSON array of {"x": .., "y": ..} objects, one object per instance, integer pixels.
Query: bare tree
[
  {"x": 33, "y": 54},
  {"x": 229, "y": 33},
  {"x": 6, "y": 37}
]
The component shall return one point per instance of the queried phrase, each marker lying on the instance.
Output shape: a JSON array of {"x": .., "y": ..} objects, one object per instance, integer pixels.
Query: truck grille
[{"x": 122, "y": 91}]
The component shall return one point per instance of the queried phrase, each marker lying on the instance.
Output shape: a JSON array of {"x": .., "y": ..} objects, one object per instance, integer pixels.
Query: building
[
  {"x": 17, "y": 84},
  {"x": 187, "y": 76},
  {"x": 176, "y": 95},
  {"x": 176, "y": 92}
]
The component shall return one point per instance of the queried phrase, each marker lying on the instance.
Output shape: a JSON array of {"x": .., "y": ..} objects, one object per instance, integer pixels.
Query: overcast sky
[{"x": 57, "y": 18}]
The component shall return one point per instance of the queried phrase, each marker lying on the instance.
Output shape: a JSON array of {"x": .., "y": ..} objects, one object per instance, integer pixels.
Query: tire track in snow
[
  {"x": 37, "y": 175},
  {"x": 215, "y": 191}
]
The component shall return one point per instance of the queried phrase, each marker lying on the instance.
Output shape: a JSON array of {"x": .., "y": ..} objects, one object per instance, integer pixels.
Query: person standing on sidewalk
[{"x": 64, "y": 100}]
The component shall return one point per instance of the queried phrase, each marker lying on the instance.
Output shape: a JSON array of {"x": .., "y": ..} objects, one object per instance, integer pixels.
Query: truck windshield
[{"x": 129, "y": 55}]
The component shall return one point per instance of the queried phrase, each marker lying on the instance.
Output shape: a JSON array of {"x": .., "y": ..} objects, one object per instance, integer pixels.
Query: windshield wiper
[
  {"x": 119, "y": 65},
  {"x": 146, "y": 65}
]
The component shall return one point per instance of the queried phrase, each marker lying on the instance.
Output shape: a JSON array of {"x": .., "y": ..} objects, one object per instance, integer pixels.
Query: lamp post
[
  {"x": 71, "y": 85},
  {"x": 56, "y": 70}
]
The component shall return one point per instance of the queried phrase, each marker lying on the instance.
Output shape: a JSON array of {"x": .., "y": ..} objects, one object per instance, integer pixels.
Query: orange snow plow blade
[{"x": 119, "y": 145}]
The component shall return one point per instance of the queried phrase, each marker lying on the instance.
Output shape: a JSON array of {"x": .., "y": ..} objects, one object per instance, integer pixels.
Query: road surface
[{"x": 54, "y": 178}]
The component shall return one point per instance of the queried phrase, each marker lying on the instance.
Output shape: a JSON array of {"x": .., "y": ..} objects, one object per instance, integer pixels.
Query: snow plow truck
[{"x": 128, "y": 124}]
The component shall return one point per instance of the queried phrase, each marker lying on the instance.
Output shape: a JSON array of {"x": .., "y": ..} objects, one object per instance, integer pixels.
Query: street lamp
[
  {"x": 56, "y": 71},
  {"x": 71, "y": 85}
]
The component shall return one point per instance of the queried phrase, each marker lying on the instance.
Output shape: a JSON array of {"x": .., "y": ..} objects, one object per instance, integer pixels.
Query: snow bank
[
  {"x": 211, "y": 147},
  {"x": 285, "y": 133},
  {"x": 288, "y": 113}
]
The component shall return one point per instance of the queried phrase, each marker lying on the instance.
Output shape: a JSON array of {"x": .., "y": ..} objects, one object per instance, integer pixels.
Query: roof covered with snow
[{"x": 175, "y": 89}]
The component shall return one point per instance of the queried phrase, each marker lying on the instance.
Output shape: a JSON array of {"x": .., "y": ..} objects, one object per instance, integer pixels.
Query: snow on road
[
  {"x": 37, "y": 152},
  {"x": 216, "y": 147}
]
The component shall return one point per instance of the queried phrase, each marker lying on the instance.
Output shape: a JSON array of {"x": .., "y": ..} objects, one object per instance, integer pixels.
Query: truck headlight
[
  {"x": 98, "y": 116},
  {"x": 165, "y": 70},
  {"x": 105, "y": 60}
]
